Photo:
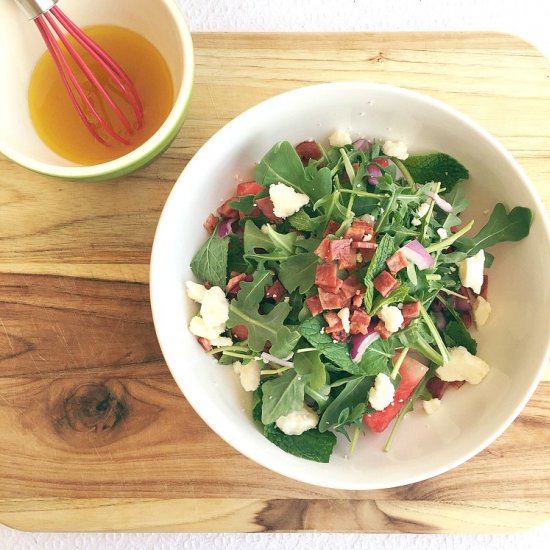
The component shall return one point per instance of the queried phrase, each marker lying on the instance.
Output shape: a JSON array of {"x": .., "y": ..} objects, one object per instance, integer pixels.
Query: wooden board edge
[{"x": 278, "y": 515}]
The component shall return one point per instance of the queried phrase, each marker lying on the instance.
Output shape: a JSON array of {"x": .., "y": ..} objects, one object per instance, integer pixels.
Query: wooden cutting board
[{"x": 95, "y": 435}]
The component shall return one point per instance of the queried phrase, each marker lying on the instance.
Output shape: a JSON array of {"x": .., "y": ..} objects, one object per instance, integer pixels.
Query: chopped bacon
[
  {"x": 323, "y": 250},
  {"x": 466, "y": 319},
  {"x": 397, "y": 262},
  {"x": 234, "y": 284},
  {"x": 340, "y": 336},
  {"x": 367, "y": 254},
  {"x": 276, "y": 291},
  {"x": 211, "y": 223},
  {"x": 331, "y": 228},
  {"x": 266, "y": 206},
  {"x": 254, "y": 213},
  {"x": 382, "y": 330},
  {"x": 350, "y": 285},
  {"x": 406, "y": 323},
  {"x": 207, "y": 285},
  {"x": 339, "y": 249},
  {"x": 410, "y": 311},
  {"x": 348, "y": 262},
  {"x": 240, "y": 332},
  {"x": 354, "y": 233},
  {"x": 385, "y": 283},
  {"x": 330, "y": 300},
  {"x": 357, "y": 301},
  {"x": 359, "y": 322},
  {"x": 326, "y": 277},
  {"x": 363, "y": 244},
  {"x": 227, "y": 211},
  {"x": 358, "y": 229},
  {"x": 313, "y": 303},
  {"x": 437, "y": 387},
  {"x": 484, "y": 287},
  {"x": 249, "y": 188},
  {"x": 457, "y": 384},
  {"x": 334, "y": 322},
  {"x": 367, "y": 227},
  {"x": 308, "y": 150},
  {"x": 206, "y": 345}
]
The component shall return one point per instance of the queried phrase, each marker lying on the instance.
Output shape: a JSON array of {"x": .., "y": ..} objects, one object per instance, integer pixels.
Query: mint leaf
[
  {"x": 384, "y": 250},
  {"x": 210, "y": 263},
  {"x": 282, "y": 395},
  {"x": 502, "y": 226},
  {"x": 436, "y": 167},
  {"x": 303, "y": 222},
  {"x": 310, "y": 445},
  {"x": 299, "y": 271},
  {"x": 397, "y": 295},
  {"x": 308, "y": 363},
  {"x": 244, "y": 204}
]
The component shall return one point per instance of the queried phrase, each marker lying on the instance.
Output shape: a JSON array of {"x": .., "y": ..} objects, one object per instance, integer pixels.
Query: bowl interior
[
  {"x": 21, "y": 45},
  {"x": 514, "y": 341}
]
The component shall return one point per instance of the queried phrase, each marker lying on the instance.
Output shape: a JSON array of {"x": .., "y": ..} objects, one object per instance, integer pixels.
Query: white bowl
[
  {"x": 515, "y": 342},
  {"x": 160, "y": 22}
]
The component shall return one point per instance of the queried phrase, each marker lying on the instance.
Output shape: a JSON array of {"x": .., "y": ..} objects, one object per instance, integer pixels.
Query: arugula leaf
[
  {"x": 282, "y": 241},
  {"x": 282, "y": 395},
  {"x": 502, "y": 227},
  {"x": 376, "y": 358},
  {"x": 311, "y": 445},
  {"x": 396, "y": 295},
  {"x": 378, "y": 263},
  {"x": 436, "y": 167},
  {"x": 255, "y": 238},
  {"x": 355, "y": 392},
  {"x": 308, "y": 363},
  {"x": 210, "y": 263},
  {"x": 320, "y": 186},
  {"x": 459, "y": 202},
  {"x": 235, "y": 256},
  {"x": 244, "y": 204},
  {"x": 456, "y": 334},
  {"x": 252, "y": 293},
  {"x": 303, "y": 222},
  {"x": 299, "y": 271}
]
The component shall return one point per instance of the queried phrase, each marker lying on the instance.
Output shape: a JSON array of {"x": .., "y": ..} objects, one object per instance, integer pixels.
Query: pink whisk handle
[{"x": 35, "y": 8}]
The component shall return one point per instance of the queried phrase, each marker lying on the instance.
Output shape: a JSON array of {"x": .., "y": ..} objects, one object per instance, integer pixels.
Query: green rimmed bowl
[{"x": 160, "y": 22}]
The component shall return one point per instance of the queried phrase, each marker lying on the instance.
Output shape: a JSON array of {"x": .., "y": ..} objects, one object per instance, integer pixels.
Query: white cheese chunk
[
  {"x": 382, "y": 393},
  {"x": 432, "y": 405},
  {"x": 392, "y": 317},
  {"x": 297, "y": 422},
  {"x": 200, "y": 328},
  {"x": 482, "y": 310},
  {"x": 214, "y": 307},
  {"x": 396, "y": 149},
  {"x": 442, "y": 233},
  {"x": 285, "y": 200},
  {"x": 470, "y": 271},
  {"x": 220, "y": 341},
  {"x": 344, "y": 317},
  {"x": 416, "y": 222},
  {"x": 339, "y": 138},
  {"x": 249, "y": 374},
  {"x": 462, "y": 365},
  {"x": 423, "y": 209},
  {"x": 195, "y": 291}
]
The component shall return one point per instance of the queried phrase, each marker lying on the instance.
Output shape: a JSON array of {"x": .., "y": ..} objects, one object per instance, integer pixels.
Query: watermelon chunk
[{"x": 412, "y": 372}]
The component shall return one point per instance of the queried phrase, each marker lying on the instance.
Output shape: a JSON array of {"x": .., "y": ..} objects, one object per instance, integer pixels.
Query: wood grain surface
[{"x": 95, "y": 433}]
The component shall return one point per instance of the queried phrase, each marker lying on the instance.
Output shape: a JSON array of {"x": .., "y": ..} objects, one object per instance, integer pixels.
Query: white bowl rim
[
  {"x": 146, "y": 148},
  {"x": 218, "y": 139}
]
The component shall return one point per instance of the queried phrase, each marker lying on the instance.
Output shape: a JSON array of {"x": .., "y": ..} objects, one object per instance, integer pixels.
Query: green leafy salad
[{"x": 340, "y": 285}]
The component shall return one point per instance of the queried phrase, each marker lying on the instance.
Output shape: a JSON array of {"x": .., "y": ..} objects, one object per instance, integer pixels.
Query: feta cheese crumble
[
  {"x": 249, "y": 374},
  {"x": 442, "y": 233},
  {"x": 195, "y": 291},
  {"x": 482, "y": 310},
  {"x": 382, "y": 393},
  {"x": 416, "y": 222},
  {"x": 298, "y": 422},
  {"x": 344, "y": 317},
  {"x": 392, "y": 317},
  {"x": 396, "y": 149},
  {"x": 214, "y": 307},
  {"x": 339, "y": 138},
  {"x": 462, "y": 365},
  {"x": 214, "y": 312},
  {"x": 423, "y": 209},
  {"x": 470, "y": 271},
  {"x": 432, "y": 405},
  {"x": 285, "y": 200}
]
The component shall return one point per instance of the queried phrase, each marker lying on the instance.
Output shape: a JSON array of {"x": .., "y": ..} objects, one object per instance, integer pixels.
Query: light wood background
[{"x": 95, "y": 434}]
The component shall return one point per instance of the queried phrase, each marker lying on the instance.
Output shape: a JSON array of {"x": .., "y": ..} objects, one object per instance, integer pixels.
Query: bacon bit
[
  {"x": 240, "y": 332},
  {"x": 484, "y": 287},
  {"x": 396, "y": 262},
  {"x": 455, "y": 228},
  {"x": 330, "y": 300},
  {"x": 266, "y": 206},
  {"x": 323, "y": 250},
  {"x": 354, "y": 233},
  {"x": 367, "y": 254},
  {"x": 233, "y": 285},
  {"x": 276, "y": 291},
  {"x": 334, "y": 322},
  {"x": 326, "y": 277},
  {"x": 350, "y": 286},
  {"x": 211, "y": 223},
  {"x": 249, "y": 188},
  {"x": 367, "y": 227},
  {"x": 207, "y": 285},
  {"x": 466, "y": 318},
  {"x": 226, "y": 211},
  {"x": 363, "y": 245},
  {"x": 206, "y": 345},
  {"x": 349, "y": 262},
  {"x": 359, "y": 322},
  {"x": 405, "y": 323},
  {"x": 437, "y": 387},
  {"x": 410, "y": 311},
  {"x": 339, "y": 249},
  {"x": 382, "y": 330},
  {"x": 340, "y": 336},
  {"x": 308, "y": 150},
  {"x": 331, "y": 228},
  {"x": 385, "y": 283},
  {"x": 357, "y": 301},
  {"x": 382, "y": 162},
  {"x": 313, "y": 303},
  {"x": 457, "y": 384}
]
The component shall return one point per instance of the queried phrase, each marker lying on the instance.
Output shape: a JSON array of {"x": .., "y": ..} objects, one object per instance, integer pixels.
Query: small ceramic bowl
[
  {"x": 161, "y": 22},
  {"x": 515, "y": 341}
]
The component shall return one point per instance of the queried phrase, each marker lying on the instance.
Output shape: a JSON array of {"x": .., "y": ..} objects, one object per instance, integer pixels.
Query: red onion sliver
[
  {"x": 225, "y": 227},
  {"x": 360, "y": 144},
  {"x": 418, "y": 255},
  {"x": 441, "y": 202},
  {"x": 440, "y": 321},
  {"x": 374, "y": 170},
  {"x": 360, "y": 342},
  {"x": 268, "y": 358}
]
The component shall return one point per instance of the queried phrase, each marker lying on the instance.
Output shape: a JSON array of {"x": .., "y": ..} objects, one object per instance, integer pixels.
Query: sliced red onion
[
  {"x": 440, "y": 321},
  {"x": 268, "y": 358},
  {"x": 462, "y": 305},
  {"x": 374, "y": 173},
  {"x": 441, "y": 202},
  {"x": 360, "y": 144},
  {"x": 225, "y": 227},
  {"x": 360, "y": 342},
  {"x": 418, "y": 255}
]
